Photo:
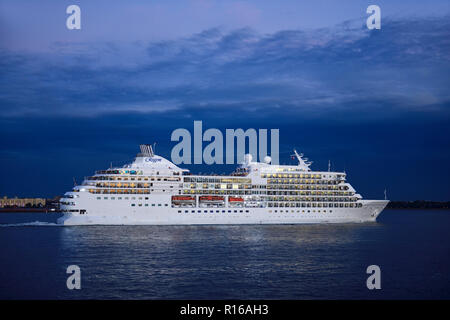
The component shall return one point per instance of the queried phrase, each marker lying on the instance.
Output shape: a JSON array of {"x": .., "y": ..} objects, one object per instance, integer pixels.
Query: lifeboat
[
  {"x": 235, "y": 199},
  {"x": 183, "y": 198},
  {"x": 211, "y": 198}
]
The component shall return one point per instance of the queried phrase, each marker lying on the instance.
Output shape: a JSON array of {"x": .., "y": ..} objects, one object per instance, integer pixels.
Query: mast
[{"x": 303, "y": 163}]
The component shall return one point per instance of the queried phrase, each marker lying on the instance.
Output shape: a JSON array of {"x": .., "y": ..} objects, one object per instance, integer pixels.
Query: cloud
[{"x": 403, "y": 67}]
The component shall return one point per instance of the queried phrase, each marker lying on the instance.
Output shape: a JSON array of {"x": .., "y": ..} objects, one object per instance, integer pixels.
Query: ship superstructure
[{"x": 153, "y": 190}]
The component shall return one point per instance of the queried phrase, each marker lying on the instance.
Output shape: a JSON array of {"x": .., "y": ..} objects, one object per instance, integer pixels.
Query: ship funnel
[{"x": 146, "y": 150}]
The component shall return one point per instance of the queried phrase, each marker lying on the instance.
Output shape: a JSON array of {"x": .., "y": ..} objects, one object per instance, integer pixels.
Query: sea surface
[{"x": 411, "y": 247}]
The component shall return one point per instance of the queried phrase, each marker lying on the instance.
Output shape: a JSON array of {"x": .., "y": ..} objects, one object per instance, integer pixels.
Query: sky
[{"x": 373, "y": 102}]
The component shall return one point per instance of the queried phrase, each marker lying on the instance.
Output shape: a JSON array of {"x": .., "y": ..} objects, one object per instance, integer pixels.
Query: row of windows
[
  {"x": 301, "y": 175},
  {"x": 300, "y": 181},
  {"x": 311, "y": 199},
  {"x": 291, "y": 175},
  {"x": 112, "y": 178},
  {"x": 270, "y": 193},
  {"x": 270, "y": 211},
  {"x": 124, "y": 185},
  {"x": 222, "y": 186},
  {"x": 307, "y": 193},
  {"x": 217, "y": 192},
  {"x": 123, "y": 198},
  {"x": 217, "y": 180},
  {"x": 127, "y": 172},
  {"x": 212, "y": 211},
  {"x": 127, "y": 191},
  {"x": 303, "y": 186},
  {"x": 120, "y": 191},
  {"x": 315, "y": 205}
]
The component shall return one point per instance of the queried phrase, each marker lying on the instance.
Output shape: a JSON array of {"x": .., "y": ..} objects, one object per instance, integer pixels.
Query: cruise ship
[{"x": 153, "y": 191}]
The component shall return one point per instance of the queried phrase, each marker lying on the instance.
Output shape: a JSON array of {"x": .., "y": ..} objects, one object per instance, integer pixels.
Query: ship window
[
  {"x": 246, "y": 210},
  {"x": 98, "y": 198},
  {"x": 119, "y": 198},
  {"x": 153, "y": 204},
  {"x": 229, "y": 211},
  {"x": 106, "y": 198},
  {"x": 140, "y": 204},
  {"x": 179, "y": 211},
  {"x": 113, "y": 198},
  {"x": 133, "y": 205},
  {"x": 166, "y": 205},
  {"x": 146, "y": 204},
  {"x": 159, "y": 204}
]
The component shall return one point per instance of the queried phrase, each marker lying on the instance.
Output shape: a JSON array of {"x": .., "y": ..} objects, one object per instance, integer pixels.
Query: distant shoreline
[{"x": 418, "y": 204}]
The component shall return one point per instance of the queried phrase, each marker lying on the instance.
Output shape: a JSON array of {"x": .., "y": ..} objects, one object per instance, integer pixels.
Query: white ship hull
[{"x": 120, "y": 214}]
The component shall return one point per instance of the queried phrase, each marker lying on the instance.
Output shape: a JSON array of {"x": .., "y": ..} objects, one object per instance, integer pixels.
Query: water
[{"x": 411, "y": 247}]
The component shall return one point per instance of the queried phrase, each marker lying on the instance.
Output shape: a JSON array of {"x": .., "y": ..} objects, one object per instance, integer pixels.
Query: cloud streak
[{"x": 404, "y": 67}]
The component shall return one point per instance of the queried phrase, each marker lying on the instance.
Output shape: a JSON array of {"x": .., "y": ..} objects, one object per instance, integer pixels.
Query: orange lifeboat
[
  {"x": 183, "y": 198},
  {"x": 235, "y": 199},
  {"x": 211, "y": 198}
]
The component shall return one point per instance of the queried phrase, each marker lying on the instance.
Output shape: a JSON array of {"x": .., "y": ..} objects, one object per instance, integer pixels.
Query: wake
[{"x": 31, "y": 224}]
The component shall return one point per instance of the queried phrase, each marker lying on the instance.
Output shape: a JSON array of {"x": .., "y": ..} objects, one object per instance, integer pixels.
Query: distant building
[{"x": 22, "y": 203}]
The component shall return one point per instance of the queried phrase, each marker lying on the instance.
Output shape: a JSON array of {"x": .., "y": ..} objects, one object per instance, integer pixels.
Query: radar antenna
[{"x": 303, "y": 163}]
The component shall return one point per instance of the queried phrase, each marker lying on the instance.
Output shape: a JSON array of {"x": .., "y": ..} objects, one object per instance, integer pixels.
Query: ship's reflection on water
[
  {"x": 227, "y": 262},
  {"x": 204, "y": 262}
]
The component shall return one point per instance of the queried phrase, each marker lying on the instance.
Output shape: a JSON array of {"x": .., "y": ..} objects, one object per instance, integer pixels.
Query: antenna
[
  {"x": 304, "y": 163},
  {"x": 329, "y": 165},
  {"x": 385, "y": 196},
  {"x": 74, "y": 182},
  {"x": 154, "y": 146}
]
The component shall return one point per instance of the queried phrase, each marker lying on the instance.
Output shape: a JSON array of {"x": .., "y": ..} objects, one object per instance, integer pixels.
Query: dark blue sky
[{"x": 376, "y": 103}]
